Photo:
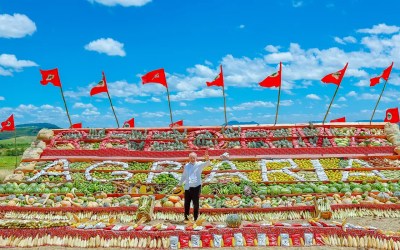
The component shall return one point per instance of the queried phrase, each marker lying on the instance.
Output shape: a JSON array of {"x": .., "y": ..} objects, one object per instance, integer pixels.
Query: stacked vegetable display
[
  {"x": 96, "y": 198},
  {"x": 359, "y": 138}
]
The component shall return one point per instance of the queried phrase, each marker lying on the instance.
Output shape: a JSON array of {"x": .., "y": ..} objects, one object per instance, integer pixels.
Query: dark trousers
[{"x": 193, "y": 194}]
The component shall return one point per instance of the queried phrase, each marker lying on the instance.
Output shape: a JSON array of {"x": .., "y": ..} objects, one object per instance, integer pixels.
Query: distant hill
[
  {"x": 28, "y": 129},
  {"x": 241, "y": 123}
]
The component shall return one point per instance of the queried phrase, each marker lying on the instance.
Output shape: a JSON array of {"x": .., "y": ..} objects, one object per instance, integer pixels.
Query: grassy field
[
  {"x": 20, "y": 140},
  {"x": 7, "y": 163}
]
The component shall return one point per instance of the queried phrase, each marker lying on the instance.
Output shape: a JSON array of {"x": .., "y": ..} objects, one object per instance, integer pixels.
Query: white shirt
[{"x": 192, "y": 174}]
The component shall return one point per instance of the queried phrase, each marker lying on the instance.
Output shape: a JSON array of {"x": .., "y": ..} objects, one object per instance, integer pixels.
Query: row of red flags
[
  {"x": 392, "y": 115},
  {"x": 158, "y": 76}
]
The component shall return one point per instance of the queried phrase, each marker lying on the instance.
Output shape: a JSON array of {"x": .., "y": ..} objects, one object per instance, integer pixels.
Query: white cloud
[
  {"x": 272, "y": 48},
  {"x": 124, "y": 3},
  {"x": 27, "y": 108},
  {"x": 83, "y": 105},
  {"x": 184, "y": 112},
  {"x": 107, "y": 46},
  {"x": 254, "y": 104},
  {"x": 130, "y": 100},
  {"x": 362, "y": 83},
  {"x": 16, "y": 26},
  {"x": 182, "y": 104},
  {"x": 286, "y": 103},
  {"x": 9, "y": 64},
  {"x": 313, "y": 97},
  {"x": 155, "y": 99},
  {"x": 192, "y": 95},
  {"x": 242, "y": 26},
  {"x": 297, "y": 3},
  {"x": 338, "y": 106},
  {"x": 351, "y": 93},
  {"x": 342, "y": 99},
  {"x": 339, "y": 40},
  {"x": 2, "y": 98},
  {"x": 154, "y": 114},
  {"x": 374, "y": 97},
  {"x": 90, "y": 112},
  {"x": 380, "y": 29},
  {"x": 350, "y": 39},
  {"x": 345, "y": 40}
]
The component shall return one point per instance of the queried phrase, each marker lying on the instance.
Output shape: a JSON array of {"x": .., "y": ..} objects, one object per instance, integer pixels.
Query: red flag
[
  {"x": 218, "y": 81},
  {"x": 392, "y": 115},
  {"x": 273, "y": 80},
  {"x": 341, "y": 119},
  {"x": 8, "y": 125},
  {"x": 50, "y": 76},
  {"x": 385, "y": 75},
  {"x": 336, "y": 77},
  {"x": 77, "y": 125},
  {"x": 130, "y": 123},
  {"x": 155, "y": 76},
  {"x": 100, "y": 87},
  {"x": 176, "y": 124}
]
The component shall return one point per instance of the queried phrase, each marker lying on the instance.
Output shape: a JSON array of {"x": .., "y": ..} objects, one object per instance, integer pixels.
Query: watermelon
[
  {"x": 308, "y": 190},
  {"x": 23, "y": 186},
  {"x": 64, "y": 190},
  {"x": 345, "y": 190},
  {"x": 366, "y": 187},
  {"x": 2, "y": 190},
  {"x": 42, "y": 186},
  {"x": 285, "y": 191},
  {"x": 275, "y": 190},
  {"x": 357, "y": 190},
  {"x": 296, "y": 190},
  {"x": 55, "y": 190},
  {"x": 37, "y": 189},
  {"x": 9, "y": 190},
  {"x": 333, "y": 190},
  {"x": 322, "y": 189},
  {"x": 69, "y": 185},
  {"x": 376, "y": 186}
]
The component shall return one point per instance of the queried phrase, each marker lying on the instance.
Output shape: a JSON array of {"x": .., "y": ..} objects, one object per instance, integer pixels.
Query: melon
[
  {"x": 168, "y": 204},
  {"x": 233, "y": 220},
  {"x": 174, "y": 198}
]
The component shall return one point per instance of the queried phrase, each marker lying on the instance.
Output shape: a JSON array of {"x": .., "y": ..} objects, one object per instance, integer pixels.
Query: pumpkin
[
  {"x": 12, "y": 203},
  {"x": 69, "y": 195},
  {"x": 92, "y": 204},
  {"x": 382, "y": 197},
  {"x": 65, "y": 203},
  {"x": 179, "y": 204},
  {"x": 174, "y": 198},
  {"x": 233, "y": 220},
  {"x": 396, "y": 194}
]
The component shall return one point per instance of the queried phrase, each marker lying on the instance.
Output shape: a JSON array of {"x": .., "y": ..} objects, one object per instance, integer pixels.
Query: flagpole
[
  {"x": 169, "y": 104},
  {"x": 373, "y": 113},
  {"x": 330, "y": 104},
  {"x": 65, "y": 104},
  {"x": 15, "y": 145},
  {"x": 112, "y": 107},
  {"x": 223, "y": 93},
  {"x": 277, "y": 106}
]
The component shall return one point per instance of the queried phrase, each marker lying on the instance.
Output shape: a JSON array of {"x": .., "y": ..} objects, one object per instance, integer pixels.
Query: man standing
[{"x": 191, "y": 177}]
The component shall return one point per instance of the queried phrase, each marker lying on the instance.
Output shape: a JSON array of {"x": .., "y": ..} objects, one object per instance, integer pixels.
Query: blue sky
[{"x": 190, "y": 39}]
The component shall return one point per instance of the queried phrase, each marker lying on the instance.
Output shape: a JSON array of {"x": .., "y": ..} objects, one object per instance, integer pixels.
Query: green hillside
[{"x": 29, "y": 129}]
